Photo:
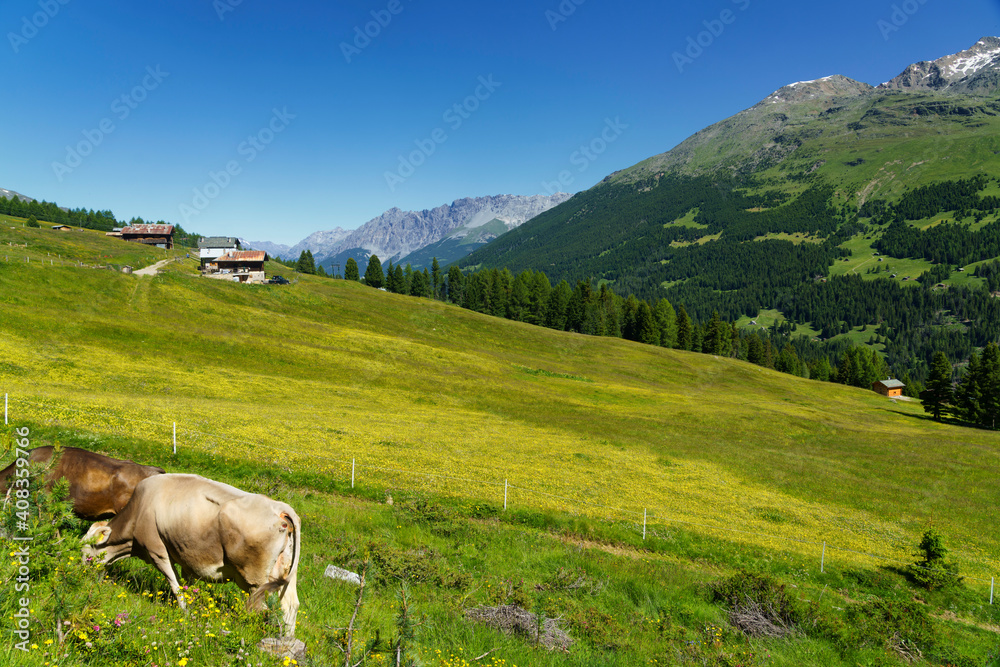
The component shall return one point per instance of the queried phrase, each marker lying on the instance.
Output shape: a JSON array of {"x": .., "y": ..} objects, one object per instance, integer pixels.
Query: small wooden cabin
[
  {"x": 161, "y": 236},
  {"x": 890, "y": 388},
  {"x": 245, "y": 266}
]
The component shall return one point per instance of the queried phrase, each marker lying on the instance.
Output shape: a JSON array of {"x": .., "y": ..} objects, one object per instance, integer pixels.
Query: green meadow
[{"x": 442, "y": 415}]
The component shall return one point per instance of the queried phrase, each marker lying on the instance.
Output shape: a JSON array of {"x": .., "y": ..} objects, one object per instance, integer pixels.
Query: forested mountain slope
[{"x": 839, "y": 204}]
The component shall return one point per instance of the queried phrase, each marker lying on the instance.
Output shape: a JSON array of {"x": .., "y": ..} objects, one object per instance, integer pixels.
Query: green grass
[
  {"x": 688, "y": 221},
  {"x": 278, "y": 388},
  {"x": 624, "y": 600}
]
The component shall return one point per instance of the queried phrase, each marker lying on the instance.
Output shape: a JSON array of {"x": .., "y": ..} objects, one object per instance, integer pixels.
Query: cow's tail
[{"x": 256, "y": 600}]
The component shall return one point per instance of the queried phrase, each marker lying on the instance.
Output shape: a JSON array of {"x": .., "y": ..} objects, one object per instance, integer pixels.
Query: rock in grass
[
  {"x": 335, "y": 572},
  {"x": 283, "y": 647}
]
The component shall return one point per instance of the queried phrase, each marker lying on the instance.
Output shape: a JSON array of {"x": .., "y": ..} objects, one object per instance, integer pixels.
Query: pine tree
[
  {"x": 436, "y": 277},
  {"x": 712, "y": 342},
  {"x": 390, "y": 279},
  {"x": 306, "y": 263},
  {"x": 685, "y": 335},
  {"x": 990, "y": 387},
  {"x": 646, "y": 329},
  {"x": 33, "y": 222},
  {"x": 373, "y": 274},
  {"x": 420, "y": 285},
  {"x": 666, "y": 321},
  {"x": 455, "y": 281},
  {"x": 937, "y": 397},
  {"x": 755, "y": 349},
  {"x": 968, "y": 393},
  {"x": 398, "y": 279},
  {"x": 351, "y": 269},
  {"x": 555, "y": 309}
]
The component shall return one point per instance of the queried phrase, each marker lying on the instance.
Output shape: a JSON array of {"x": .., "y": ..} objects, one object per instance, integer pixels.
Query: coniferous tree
[
  {"x": 373, "y": 274},
  {"x": 666, "y": 321},
  {"x": 306, "y": 263},
  {"x": 455, "y": 280},
  {"x": 630, "y": 318},
  {"x": 390, "y": 278},
  {"x": 33, "y": 222},
  {"x": 351, "y": 269},
  {"x": 421, "y": 284},
  {"x": 499, "y": 292},
  {"x": 937, "y": 398},
  {"x": 576, "y": 310},
  {"x": 520, "y": 298},
  {"x": 685, "y": 335},
  {"x": 555, "y": 308},
  {"x": 712, "y": 341},
  {"x": 398, "y": 279},
  {"x": 407, "y": 280},
  {"x": 645, "y": 326},
  {"x": 968, "y": 394},
  {"x": 990, "y": 387},
  {"x": 436, "y": 277},
  {"x": 755, "y": 349}
]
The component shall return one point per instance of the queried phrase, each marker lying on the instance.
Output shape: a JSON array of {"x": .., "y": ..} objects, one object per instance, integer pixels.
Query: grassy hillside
[{"x": 281, "y": 388}]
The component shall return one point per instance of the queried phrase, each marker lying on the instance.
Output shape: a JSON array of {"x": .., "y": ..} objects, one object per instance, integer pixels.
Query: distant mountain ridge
[
  {"x": 975, "y": 70},
  {"x": 8, "y": 194},
  {"x": 768, "y": 132},
  {"x": 789, "y": 186},
  {"x": 396, "y": 233}
]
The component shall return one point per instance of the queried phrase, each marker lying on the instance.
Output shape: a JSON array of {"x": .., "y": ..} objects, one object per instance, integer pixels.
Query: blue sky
[{"x": 274, "y": 120}]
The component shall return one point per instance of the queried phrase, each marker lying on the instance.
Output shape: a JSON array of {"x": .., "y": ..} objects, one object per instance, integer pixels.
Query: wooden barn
[
  {"x": 890, "y": 388},
  {"x": 161, "y": 236},
  {"x": 245, "y": 266}
]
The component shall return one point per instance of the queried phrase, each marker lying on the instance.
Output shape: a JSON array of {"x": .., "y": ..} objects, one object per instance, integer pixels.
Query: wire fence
[{"x": 648, "y": 520}]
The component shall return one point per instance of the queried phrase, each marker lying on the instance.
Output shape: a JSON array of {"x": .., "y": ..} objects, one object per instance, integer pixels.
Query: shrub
[
  {"x": 933, "y": 570},
  {"x": 903, "y": 627},
  {"x": 758, "y": 605}
]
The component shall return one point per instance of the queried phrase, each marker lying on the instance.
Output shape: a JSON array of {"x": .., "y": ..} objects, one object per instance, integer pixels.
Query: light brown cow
[
  {"x": 99, "y": 485},
  {"x": 214, "y": 531}
]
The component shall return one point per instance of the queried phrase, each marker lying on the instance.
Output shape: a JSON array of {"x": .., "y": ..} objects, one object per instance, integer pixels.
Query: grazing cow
[
  {"x": 214, "y": 531},
  {"x": 99, "y": 485}
]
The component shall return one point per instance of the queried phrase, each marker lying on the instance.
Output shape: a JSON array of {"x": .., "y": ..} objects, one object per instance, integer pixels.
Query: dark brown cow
[
  {"x": 214, "y": 531},
  {"x": 99, "y": 485}
]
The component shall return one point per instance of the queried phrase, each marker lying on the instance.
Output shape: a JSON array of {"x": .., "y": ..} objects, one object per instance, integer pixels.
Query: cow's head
[{"x": 98, "y": 534}]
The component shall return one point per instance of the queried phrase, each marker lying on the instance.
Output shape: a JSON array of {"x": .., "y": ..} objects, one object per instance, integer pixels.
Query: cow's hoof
[{"x": 283, "y": 647}]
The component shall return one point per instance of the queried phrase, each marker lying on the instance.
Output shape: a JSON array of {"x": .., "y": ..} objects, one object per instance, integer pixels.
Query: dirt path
[{"x": 154, "y": 269}]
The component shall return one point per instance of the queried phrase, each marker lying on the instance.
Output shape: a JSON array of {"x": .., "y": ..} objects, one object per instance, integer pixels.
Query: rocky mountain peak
[
  {"x": 397, "y": 233},
  {"x": 826, "y": 88},
  {"x": 974, "y": 70}
]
